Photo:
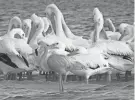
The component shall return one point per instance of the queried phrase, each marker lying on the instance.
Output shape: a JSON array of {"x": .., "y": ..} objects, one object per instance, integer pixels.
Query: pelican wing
[
  {"x": 114, "y": 47},
  {"x": 119, "y": 48},
  {"x": 22, "y": 46},
  {"x": 5, "y": 59}
]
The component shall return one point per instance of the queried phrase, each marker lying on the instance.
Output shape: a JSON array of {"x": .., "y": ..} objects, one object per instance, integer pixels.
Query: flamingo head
[{"x": 26, "y": 26}]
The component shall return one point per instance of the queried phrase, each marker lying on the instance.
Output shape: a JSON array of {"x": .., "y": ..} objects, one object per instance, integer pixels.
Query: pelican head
[
  {"x": 15, "y": 22},
  {"x": 37, "y": 27},
  {"x": 98, "y": 15},
  {"x": 122, "y": 28},
  {"x": 51, "y": 8},
  {"x": 26, "y": 26},
  {"x": 47, "y": 45},
  {"x": 17, "y": 33},
  {"x": 47, "y": 26},
  {"x": 109, "y": 24},
  {"x": 98, "y": 18}
]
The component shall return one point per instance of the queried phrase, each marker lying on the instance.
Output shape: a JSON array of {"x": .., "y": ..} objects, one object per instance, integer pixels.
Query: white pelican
[
  {"x": 46, "y": 25},
  {"x": 81, "y": 64},
  {"x": 60, "y": 28},
  {"x": 111, "y": 34},
  {"x": 15, "y": 22},
  {"x": 36, "y": 34},
  {"x": 127, "y": 33},
  {"x": 37, "y": 27},
  {"x": 13, "y": 33},
  {"x": 121, "y": 27},
  {"x": 111, "y": 47},
  {"x": 10, "y": 49},
  {"x": 26, "y": 26}
]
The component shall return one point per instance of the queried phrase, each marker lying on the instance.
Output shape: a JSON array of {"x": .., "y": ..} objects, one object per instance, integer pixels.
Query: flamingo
[{"x": 82, "y": 65}]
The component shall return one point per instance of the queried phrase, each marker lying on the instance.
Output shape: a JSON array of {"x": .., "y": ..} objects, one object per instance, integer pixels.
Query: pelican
[
  {"x": 118, "y": 48},
  {"x": 77, "y": 64},
  {"x": 46, "y": 25},
  {"x": 11, "y": 51},
  {"x": 26, "y": 26},
  {"x": 13, "y": 32},
  {"x": 15, "y": 22},
  {"x": 111, "y": 34},
  {"x": 127, "y": 32},
  {"x": 36, "y": 34},
  {"x": 60, "y": 28}
]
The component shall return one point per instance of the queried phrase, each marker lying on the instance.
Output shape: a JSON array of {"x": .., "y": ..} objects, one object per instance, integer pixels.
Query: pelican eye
[
  {"x": 32, "y": 23},
  {"x": 36, "y": 26}
]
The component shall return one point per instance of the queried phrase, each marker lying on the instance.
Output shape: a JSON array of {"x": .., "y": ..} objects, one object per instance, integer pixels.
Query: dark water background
[{"x": 78, "y": 16}]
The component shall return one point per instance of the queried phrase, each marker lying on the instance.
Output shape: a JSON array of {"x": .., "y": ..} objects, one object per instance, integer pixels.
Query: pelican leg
[
  {"x": 40, "y": 72},
  {"x": 87, "y": 79},
  {"x": 7, "y": 76},
  {"x": 46, "y": 75},
  {"x": 29, "y": 75},
  {"x": 20, "y": 76},
  {"x": 126, "y": 75},
  {"x": 13, "y": 76},
  {"x": 65, "y": 78},
  {"x": 98, "y": 77},
  {"x": 61, "y": 89},
  {"x": 118, "y": 76},
  {"x": 109, "y": 78}
]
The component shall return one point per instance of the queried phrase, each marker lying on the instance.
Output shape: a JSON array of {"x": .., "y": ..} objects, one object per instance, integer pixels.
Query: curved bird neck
[{"x": 55, "y": 19}]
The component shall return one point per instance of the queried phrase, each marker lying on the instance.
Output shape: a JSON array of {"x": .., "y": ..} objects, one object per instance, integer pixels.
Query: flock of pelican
[{"x": 29, "y": 46}]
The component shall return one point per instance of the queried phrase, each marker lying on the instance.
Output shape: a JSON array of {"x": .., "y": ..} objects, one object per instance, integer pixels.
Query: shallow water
[
  {"x": 41, "y": 90},
  {"x": 78, "y": 16}
]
